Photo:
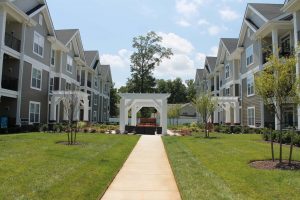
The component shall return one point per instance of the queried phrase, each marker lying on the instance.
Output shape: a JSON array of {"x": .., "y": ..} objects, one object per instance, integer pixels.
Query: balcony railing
[
  {"x": 10, "y": 83},
  {"x": 12, "y": 42}
]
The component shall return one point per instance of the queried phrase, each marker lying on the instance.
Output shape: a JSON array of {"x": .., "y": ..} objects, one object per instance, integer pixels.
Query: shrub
[
  {"x": 43, "y": 128},
  {"x": 237, "y": 129},
  {"x": 217, "y": 128}
]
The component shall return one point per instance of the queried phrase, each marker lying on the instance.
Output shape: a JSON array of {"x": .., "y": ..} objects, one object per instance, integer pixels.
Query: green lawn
[
  {"x": 33, "y": 166},
  {"x": 218, "y": 168}
]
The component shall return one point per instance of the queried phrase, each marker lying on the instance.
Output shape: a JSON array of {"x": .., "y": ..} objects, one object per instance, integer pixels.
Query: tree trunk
[
  {"x": 291, "y": 149},
  {"x": 272, "y": 147}
]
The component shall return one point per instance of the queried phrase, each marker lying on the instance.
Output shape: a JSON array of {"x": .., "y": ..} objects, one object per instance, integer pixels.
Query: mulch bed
[
  {"x": 270, "y": 165},
  {"x": 66, "y": 143}
]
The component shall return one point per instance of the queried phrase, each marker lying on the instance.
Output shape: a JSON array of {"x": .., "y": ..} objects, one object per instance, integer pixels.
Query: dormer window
[
  {"x": 41, "y": 18},
  {"x": 69, "y": 64}
]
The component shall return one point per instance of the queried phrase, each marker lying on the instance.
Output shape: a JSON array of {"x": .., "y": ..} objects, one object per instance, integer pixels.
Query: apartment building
[
  {"x": 266, "y": 29},
  {"x": 40, "y": 65}
]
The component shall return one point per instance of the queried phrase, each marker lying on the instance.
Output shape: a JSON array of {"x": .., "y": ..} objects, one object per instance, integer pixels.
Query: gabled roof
[
  {"x": 230, "y": 44},
  {"x": 269, "y": 11},
  {"x": 66, "y": 35},
  {"x": 211, "y": 61},
  {"x": 90, "y": 57},
  {"x": 36, "y": 8},
  {"x": 200, "y": 73}
]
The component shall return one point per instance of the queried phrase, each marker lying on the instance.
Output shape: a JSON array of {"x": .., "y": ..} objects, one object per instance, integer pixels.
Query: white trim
[
  {"x": 252, "y": 71},
  {"x": 11, "y": 52},
  {"x": 69, "y": 58},
  {"x": 37, "y": 64},
  {"x": 248, "y": 108},
  {"x": 41, "y": 81},
  {"x": 35, "y": 103},
  {"x": 252, "y": 77},
  {"x": 43, "y": 44},
  {"x": 258, "y": 13}
]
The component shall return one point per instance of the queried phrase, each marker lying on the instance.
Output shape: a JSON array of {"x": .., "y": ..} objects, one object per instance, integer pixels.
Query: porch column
[
  {"x": 126, "y": 116},
  {"x": 53, "y": 109},
  {"x": 86, "y": 109},
  {"x": 275, "y": 42},
  {"x": 2, "y": 39},
  {"x": 216, "y": 117},
  {"x": 122, "y": 115},
  {"x": 227, "y": 114},
  {"x": 236, "y": 114},
  {"x": 297, "y": 42},
  {"x": 164, "y": 119}
]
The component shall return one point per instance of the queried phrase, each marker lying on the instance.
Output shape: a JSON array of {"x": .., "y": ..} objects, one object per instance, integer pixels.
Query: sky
[{"x": 192, "y": 28}]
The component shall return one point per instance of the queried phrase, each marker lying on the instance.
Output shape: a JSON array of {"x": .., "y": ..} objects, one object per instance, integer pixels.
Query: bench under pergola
[{"x": 135, "y": 102}]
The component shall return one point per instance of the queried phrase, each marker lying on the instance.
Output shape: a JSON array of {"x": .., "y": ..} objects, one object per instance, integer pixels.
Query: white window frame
[
  {"x": 41, "y": 18},
  {"x": 251, "y": 77},
  {"x": 41, "y": 80},
  {"x": 39, "y": 114},
  {"x": 69, "y": 64},
  {"x": 251, "y": 108},
  {"x": 95, "y": 98},
  {"x": 51, "y": 85},
  {"x": 40, "y": 43},
  {"x": 249, "y": 54},
  {"x": 68, "y": 84},
  {"x": 227, "y": 71},
  {"x": 52, "y": 56}
]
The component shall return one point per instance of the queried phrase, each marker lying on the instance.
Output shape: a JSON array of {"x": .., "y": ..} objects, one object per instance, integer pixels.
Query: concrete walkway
[{"x": 146, "y": 175}]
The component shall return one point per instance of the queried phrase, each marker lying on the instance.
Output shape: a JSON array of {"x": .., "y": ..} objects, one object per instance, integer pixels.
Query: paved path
[{"x": 146, "y": 175}]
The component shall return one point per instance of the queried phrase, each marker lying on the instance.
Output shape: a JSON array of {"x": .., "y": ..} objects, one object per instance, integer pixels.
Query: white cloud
[
  {"x": 183, "y": 23},
  {"x": 227, "y": 14},
  {"x": 179, "y": 65},
  {"x": 214, "y": 51},
  {"x": 214, "y": 30},
  {"x": 120, "y": 60},
  {"x": 177, "y": 43},
  {"x": 203, "y": 22},
  {"x": 187, "y": 8}
]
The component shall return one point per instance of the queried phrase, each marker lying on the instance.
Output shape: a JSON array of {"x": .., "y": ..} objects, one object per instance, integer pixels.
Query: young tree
[
  {"x": 149, "y": 54},
  {"x": 276, "y": 84},
  {"x": 114, "y": 100},
  {"x": 71, "y": 103},
  {"x": 174, "y": 113},
  {"x": 205, "y": 105}
]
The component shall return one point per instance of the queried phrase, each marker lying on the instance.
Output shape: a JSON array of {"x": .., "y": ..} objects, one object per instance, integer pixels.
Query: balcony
[
  {"x": 10, "y": 83},
  {"x": 12, "y": 42}
]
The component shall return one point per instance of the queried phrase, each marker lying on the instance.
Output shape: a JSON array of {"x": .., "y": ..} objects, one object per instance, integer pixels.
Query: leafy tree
[
  {"x": 191, "y": 90},
  {"x": 114, "y": 100},
  {"x": 205, "y": 105},
  {"x": 149, "y": 54},
  {"x": 277, "y": 86},
  {"x": 174, "y": 113}
]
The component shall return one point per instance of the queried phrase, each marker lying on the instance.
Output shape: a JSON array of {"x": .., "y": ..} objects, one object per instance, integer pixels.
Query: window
[
  {"x": 36, "y": 79},
  {"x": 52, "y": 57},
  {"x": 251, "y": 116},
  {"x": 227, "y": 71},
  {"x": 68, "y": 86},
  {"x": 96, "y": 82},
  {"x": 41, "y": 19},
  {"x": 95, "y": 116},
  {"x": 95, "y": 100},
  {"x": 51, "y": 85},
  {"x": 249, "y": 55},
  {"x": 69, "y": 64},
  {"x": 34, "y": 112},
  {"x": 38, "y": 44},
  {"x": 250, "y": 85},
  {"x": 286, "y": 45}
]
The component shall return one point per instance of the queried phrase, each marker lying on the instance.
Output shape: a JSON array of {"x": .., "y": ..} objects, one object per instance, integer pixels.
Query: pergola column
[
  {"x": 133, "y": 116},
  {"x": 216, "y": 117},
  {"x": 122, "y": 115},
  {"x": 227, "y": 113},
  {"x": 164, "y": 119}
]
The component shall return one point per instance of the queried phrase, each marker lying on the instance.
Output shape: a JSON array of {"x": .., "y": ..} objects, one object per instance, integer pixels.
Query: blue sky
[{"x": 192, "y": 28}]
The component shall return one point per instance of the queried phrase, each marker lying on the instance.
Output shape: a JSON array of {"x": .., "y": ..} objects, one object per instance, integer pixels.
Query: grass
[
  {"x": 33, "y": 166},
  {"x": 218, "y": 168}
]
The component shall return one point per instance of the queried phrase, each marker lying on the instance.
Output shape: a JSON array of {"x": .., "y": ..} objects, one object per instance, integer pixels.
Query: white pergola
[
  {"x": 135, "y": 102},
  {"x": 81, "y": 103},
  {"x": 226, "y": 103}
]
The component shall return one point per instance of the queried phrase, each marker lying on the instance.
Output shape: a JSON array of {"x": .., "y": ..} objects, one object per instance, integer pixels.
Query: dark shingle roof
[
  {"x": 65, "y": 35},
  {"x": 211, "y": 61},
  {"x": 230, "y": 43},
  {"x": 269, "y": 11},
  {"x": 34, "y": 9},
  {"x": 90, "y": 56}
]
